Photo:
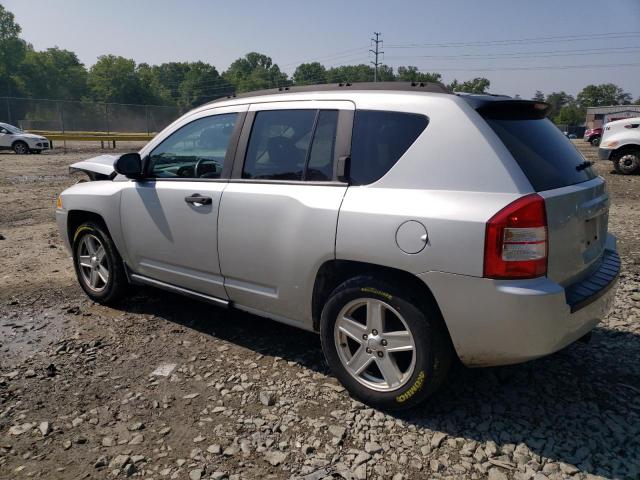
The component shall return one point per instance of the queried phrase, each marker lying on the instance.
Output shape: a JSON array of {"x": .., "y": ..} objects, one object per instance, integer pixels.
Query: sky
[{"x": 520, "y": 45}]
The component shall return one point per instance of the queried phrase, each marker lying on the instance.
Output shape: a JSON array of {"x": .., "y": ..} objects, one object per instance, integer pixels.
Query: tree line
[
  {"x": 569, "y": 110},
  {"x": 58, "y": 74}
]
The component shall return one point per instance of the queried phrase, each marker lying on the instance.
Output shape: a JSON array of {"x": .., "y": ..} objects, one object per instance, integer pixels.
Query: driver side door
[{"x": 170, "y": 217}]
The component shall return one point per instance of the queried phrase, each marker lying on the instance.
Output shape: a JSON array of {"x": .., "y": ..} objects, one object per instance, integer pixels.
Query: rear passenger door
[{"x": 279, "y": 212}]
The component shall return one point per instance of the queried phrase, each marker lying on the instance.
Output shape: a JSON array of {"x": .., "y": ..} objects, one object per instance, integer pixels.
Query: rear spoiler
[
  {"x": 499, "y": 107},
  {"x": 97, "y": 168}
]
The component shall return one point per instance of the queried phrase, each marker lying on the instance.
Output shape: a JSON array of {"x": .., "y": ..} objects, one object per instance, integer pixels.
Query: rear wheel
[
  {"x": 98, "y": 264},
  {"x": 20, "y": 148},
  {"x": 595, "y": 141},
  {"x": 387, "y": 348},
  {"x": 627, "y": 161}
]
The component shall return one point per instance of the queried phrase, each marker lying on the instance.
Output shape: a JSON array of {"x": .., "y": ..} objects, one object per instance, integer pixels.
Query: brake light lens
[{"x": 516, "y": 242}]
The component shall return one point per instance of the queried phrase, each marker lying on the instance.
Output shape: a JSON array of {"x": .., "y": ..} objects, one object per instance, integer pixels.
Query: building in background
[{"x": 598, "y": 116}]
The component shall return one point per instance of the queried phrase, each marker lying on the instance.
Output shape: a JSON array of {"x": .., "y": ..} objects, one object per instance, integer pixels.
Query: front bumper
[
  {"x": 604, "y": 153},
  {"x": 61, "y": 221},
  {"x": 36, "y": 144},
  {"x": 501, "y": 322}
]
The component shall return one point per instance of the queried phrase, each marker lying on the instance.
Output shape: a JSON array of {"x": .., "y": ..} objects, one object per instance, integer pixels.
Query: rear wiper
[{"x": 583, "y": 165}]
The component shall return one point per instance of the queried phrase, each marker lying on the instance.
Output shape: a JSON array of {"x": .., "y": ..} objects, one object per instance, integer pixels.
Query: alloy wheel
[
  {"x": 93, "y": 263},
  {"x": 375, "y": 344},
  {"x": 20, "y": 148}
]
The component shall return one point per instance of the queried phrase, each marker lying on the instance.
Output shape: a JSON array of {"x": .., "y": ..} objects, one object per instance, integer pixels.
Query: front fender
[{"x": 101, "y": 198}]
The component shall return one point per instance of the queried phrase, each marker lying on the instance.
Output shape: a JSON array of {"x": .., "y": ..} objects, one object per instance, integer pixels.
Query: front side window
[
  {"x": 379, "y": 139},
  {"x": 291, "y": 145},
  {"x": 196, "y": 150}
]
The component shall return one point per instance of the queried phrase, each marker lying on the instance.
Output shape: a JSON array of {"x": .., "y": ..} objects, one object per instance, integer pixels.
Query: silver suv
[{"x": 405, "y": 224}]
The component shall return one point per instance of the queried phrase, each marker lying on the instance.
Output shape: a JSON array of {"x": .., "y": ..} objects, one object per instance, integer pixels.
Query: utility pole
[{"x": 377, "y": 53}]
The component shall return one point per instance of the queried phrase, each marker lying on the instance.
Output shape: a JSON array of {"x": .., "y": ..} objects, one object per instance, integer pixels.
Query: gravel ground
[{"x": 163, "y": 387}]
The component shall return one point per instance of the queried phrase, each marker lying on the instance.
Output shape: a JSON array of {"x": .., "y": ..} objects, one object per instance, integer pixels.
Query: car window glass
[
  {"x": 379, "y": 139},
  {"x": 279, "y": 144},
  {"x": 545, "y": 156},
  {"x": 196, "y": 150},
  {"x": 320, "y": 166}
]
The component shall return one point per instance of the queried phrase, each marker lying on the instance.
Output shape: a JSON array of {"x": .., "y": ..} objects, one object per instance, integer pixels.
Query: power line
[
  {"x": 328, "y": 56},
  {"x": 534, "y": 54},
  {"x": 532, "y": 40},
  {"x": 545, "y": 67},
  {"x": 376, "y": 52}
]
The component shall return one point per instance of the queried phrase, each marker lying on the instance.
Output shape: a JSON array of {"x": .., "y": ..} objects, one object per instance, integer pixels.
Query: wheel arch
[
  {"x": 75, "y": 218},
  {"x": 625, "y": 148},
  {"x": 334, "y": 272}
]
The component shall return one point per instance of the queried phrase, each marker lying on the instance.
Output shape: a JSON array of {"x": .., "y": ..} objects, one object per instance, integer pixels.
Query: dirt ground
[{"x": 247, "y": 398}]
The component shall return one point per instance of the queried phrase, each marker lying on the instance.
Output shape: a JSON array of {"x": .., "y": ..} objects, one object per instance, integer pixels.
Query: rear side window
[
  {"x": 545, "y": 155},
  {"x": 291, "y": 145},
  {"x": 379, "y": 140}
]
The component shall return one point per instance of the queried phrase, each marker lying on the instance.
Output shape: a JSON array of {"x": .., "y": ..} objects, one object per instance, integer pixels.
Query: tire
[
  {"x": 417, "y": 373},
  {"x": 93, "y": 253},
  {"x": 595, "y": 141},
  {"x": 626, "y": 161},
  {"x": 616, "y": 167},
  {"x": 20, "y": 148}
]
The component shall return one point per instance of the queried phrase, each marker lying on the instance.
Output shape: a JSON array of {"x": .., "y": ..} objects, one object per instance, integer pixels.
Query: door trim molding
[{"x": 141, "y": 279}]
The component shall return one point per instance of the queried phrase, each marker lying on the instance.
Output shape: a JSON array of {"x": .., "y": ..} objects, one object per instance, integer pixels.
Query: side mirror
[{"x": 129, "y": 165}]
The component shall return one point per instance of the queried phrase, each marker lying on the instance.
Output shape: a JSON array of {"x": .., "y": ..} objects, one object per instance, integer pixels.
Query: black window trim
[
  {"x": 311, "y": 139},
  {"x": 228, "y": 157},
  {"x": 342, "y": 148}
]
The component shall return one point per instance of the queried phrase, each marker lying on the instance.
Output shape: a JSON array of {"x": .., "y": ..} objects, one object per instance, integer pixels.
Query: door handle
[{"x": 197, "y": 200}]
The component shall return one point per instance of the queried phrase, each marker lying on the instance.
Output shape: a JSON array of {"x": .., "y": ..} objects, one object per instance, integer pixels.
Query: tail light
[{"x": 516, "y": 240}]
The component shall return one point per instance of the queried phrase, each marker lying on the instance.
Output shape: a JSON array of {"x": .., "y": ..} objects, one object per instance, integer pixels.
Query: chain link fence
[{"x": 77, "y": 116}]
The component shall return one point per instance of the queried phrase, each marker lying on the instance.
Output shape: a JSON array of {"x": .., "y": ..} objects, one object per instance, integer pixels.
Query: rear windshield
[{"x": 545, "y": 155}]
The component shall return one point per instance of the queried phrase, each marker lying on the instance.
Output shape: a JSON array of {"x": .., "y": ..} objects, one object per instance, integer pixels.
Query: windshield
[{"x": 11, "y": 128}]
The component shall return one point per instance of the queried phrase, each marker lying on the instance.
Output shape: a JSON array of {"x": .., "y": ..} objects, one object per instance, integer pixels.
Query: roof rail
[{"x": 324, "y": 87}]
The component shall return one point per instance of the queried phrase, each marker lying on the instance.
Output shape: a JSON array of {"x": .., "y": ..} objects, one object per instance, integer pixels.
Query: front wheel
[
  {"x": 595, "y": 141},
  {"x": 98, "y": 264},
  {"x": 387, "y": 348},
  {"x": 626, "y": 162},
  {"x": 20, "y": 148}
]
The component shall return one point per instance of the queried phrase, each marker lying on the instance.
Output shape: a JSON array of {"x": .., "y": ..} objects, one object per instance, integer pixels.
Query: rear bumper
[
  {"x": 604, "y": 154},
  {"x": 500, "y": 322}
]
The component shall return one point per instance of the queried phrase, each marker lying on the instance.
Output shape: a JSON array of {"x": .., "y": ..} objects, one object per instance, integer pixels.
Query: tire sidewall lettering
[{"x": 413, "y": 389}]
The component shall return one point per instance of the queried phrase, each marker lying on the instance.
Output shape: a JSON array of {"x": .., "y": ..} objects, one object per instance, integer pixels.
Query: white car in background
[
  {"x": 21, "y": 142},
  {"x": 620, "y": 143}
]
